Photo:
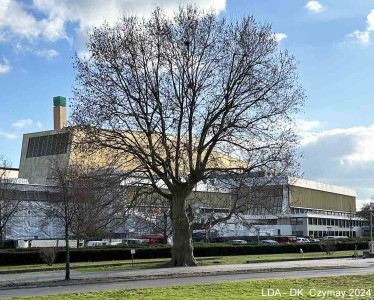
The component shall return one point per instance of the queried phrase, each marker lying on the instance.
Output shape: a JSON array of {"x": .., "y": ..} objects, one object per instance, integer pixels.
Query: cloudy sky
[{"x": 332, "y": 40}]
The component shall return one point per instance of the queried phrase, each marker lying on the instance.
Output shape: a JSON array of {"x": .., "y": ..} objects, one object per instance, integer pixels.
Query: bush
[
  {"x": 32, "y": 256},
  {"x": 48, "y": 255}
]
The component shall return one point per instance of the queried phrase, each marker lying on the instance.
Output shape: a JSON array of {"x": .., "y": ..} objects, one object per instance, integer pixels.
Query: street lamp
[{"x": 371, "y": 224}]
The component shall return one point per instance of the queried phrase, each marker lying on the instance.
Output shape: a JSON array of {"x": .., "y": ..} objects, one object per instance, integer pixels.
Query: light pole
[{"x": 371, "y": 224}]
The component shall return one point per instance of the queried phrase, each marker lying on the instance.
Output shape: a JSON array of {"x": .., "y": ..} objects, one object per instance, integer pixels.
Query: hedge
[{"x": 32, "y": 256}]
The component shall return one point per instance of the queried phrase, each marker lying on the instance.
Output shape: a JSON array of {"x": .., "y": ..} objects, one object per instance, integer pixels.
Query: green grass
[
  {"x": 153, "y": 263},
  {"x": 251, "y": 289},
  {"x": 223, "y": 260}
]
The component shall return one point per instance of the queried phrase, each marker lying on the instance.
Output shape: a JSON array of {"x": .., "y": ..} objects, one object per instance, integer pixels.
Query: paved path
[
  {"x": 153, "y": 283},
  {"x": 58, "y": 275}
]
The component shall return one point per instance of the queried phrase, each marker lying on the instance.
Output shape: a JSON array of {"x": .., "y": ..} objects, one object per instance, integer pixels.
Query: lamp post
[{"x": 371, "y": 224}]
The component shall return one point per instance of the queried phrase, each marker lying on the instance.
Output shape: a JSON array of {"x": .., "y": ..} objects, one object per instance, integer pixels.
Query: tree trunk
[
  {"x": 67, "y": 254},
  {"x": 182, "y": 250}
]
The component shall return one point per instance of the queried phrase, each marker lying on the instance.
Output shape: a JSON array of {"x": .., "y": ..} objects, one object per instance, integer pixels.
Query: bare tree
[
  {"x": 186, "y": 98},
  {"x": 367, "y": 209},
  {"x": 101, "y": 205},
  {"x": 153, "y": 213},
  {"x": 63, "y": 204},
  {"x": 10, "y": 199},
  {"x": 87, "y": 202}
]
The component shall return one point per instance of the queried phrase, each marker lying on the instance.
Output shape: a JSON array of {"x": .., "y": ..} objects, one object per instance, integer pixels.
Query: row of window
[
  {"x": 330, "y": 233},
  {"x": 335, "y": 222},
  {"x": 295, "y": 210}
]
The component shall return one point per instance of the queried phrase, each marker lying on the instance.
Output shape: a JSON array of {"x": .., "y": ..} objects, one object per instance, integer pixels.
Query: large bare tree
[{"x": 184, "y": 98}]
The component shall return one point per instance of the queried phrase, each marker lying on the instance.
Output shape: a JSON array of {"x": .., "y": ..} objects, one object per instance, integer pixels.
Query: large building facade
[
  {"x": 306, "y": 208},
  {"x": 297, "y": 206}
]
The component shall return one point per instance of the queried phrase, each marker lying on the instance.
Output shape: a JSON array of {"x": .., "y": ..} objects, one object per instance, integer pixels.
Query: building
[
  {"x": 306, "y": 208},
  {"x": 284, "y": 206}
]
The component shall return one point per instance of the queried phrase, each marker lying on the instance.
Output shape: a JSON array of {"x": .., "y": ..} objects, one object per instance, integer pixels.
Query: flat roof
[{"x": 10, "y": 169}]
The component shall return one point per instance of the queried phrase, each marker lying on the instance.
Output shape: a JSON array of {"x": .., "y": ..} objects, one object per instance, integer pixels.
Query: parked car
[
  {"x": 238, "y": 242},
  {"x": 313, "y": 240},
  {"x": 335, "y": 237},
  {"x": 303, "y": 240},
  {"x": 269, "y": 242},
  {"x": 154, "y": 238},
  {"x": 95, "y": 243},
  {"x": 115, "y": 243},
  {"x": 285, "y": 239},
  {"x": 134, "y": 241}
]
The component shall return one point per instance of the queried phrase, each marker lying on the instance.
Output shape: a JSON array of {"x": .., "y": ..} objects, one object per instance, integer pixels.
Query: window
[{"x": 48, "y": 145}]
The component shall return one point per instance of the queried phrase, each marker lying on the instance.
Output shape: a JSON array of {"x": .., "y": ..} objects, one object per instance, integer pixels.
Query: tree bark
[
  {"x": 67, "y": 254},
  {"x": 182, "y": 250}
]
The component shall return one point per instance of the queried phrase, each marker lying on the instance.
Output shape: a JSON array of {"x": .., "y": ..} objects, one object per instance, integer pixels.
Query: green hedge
[{"x": 32, "y": 256}]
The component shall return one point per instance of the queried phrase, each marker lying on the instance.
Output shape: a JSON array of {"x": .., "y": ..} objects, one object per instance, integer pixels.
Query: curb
[{"x": 295, "y": 259}]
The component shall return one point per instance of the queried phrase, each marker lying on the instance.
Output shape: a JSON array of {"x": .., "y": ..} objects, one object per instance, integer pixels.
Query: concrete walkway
[{"x": 186, "y": 271}]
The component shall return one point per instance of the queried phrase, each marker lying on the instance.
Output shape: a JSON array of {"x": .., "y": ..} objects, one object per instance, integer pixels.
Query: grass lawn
[
  {"x": 154, "y": 263},
  {"x": 251, "y": 289},
  {"x": 222, "y": 260}
]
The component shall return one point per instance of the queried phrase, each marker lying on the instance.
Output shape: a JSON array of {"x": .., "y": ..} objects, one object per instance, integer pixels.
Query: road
[{"x": 164, "y": 282}]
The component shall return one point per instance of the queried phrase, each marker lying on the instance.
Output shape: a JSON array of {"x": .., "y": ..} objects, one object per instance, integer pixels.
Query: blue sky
[{"x": 332, "y": 40}]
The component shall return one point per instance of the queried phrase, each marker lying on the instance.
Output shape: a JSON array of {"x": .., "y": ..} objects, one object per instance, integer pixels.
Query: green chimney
[{"x": 59, "y": 101}]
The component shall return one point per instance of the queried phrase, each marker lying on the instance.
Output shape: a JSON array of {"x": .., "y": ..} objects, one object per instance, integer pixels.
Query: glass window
[{"x": 48, "y": 145}]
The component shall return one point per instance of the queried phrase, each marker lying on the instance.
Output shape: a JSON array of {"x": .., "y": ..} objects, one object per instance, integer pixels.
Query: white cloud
[
  {"x": 342, "y": 157},
  {"x": 9, "y": 136},
  {"x": 39, "y": 124},
  {"x": 48, "y": 53},
  {"x": 5, "y": 68},
  {"x": 314, "y": 6},
  {"x": 305, "y": 125},
  {"x": 363, "y": 37},
  {"x": 23, "y": 123},
  {"x": 279, "y": 36},
  {"x": 18, "y": 20}
]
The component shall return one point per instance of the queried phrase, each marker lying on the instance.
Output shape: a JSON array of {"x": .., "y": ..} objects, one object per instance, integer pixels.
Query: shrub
[
  {"x": 48, "y": 255},
  {"x": 32, "y": 256}
]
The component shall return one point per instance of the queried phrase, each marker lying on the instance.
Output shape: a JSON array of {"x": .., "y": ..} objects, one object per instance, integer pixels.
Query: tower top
[{"x": 59, "y": 101}]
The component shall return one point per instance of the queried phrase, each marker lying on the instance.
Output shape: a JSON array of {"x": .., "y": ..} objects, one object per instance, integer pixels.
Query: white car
[
  {"x": 302, "y": 240},
  {"x": 238, "y": 242},
  {"x": 95, "y": 243},
  {"x": 313, "y": 240}
]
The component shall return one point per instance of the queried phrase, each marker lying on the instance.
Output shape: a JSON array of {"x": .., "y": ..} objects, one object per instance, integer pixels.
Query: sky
[{"x": 333, "y": 42}]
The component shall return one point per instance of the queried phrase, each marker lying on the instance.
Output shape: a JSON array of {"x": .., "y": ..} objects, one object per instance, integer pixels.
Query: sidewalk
[{"x": 24, "y": 278}]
